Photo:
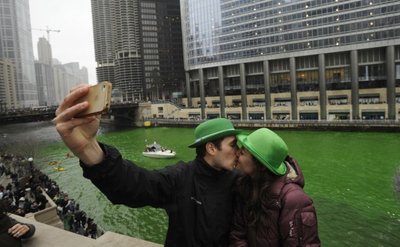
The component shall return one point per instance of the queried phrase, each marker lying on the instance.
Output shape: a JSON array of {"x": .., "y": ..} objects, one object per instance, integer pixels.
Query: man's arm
[
  {"x": 123, "y": 182},
  {"x": 78, "y": 134}
]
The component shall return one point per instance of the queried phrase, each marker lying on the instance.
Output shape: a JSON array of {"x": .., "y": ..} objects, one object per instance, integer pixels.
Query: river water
[{"x": 349, "y": 175}]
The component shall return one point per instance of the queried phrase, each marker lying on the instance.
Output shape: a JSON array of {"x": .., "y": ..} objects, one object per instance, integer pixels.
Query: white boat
[{"x": 156, "y": 151}]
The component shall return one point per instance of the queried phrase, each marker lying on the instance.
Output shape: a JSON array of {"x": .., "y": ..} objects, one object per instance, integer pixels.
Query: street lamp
[{"x": 30, "y": 160}]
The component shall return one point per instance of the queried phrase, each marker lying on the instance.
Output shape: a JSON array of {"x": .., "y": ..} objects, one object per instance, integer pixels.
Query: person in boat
[
  {"x": 273, "y": 209},
  {"x": 196, "y": 195},
  {"x": 12, "y": 232}
]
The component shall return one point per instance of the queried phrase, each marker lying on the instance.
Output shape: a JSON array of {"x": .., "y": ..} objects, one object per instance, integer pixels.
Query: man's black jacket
[{"x": 197, "y": 198}]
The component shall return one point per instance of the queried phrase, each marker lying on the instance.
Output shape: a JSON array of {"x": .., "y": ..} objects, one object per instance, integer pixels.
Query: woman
[
  {"x": 273, "y": 209},
  {"x": 11, "y": 231}
]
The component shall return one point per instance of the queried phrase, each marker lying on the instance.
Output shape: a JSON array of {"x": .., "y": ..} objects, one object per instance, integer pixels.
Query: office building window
[
  {"x": 280, "y": 82},
  {"x": 255, "y": 84},
  {"x": 372, "y": 76},
  {"x": 307, "y": 80},
  {"x": 338, "y": 78}
]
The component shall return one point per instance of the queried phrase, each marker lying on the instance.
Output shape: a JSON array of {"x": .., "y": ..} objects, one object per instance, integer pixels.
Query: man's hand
[
  {"x": 18, "y": 230},
  {"x": 79, "y": 134}
]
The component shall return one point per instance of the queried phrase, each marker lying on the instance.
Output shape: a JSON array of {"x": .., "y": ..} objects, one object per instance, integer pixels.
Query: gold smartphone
[{"x": 99, "y": 98}]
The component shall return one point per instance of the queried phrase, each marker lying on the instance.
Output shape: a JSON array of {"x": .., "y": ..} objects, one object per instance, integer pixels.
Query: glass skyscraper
[
  {"x": 16, "y": 46},
  {"x": 282, "y": 59}
]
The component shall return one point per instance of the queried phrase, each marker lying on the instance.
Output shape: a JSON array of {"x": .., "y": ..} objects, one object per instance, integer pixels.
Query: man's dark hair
[{"x": 201, "y": 150}]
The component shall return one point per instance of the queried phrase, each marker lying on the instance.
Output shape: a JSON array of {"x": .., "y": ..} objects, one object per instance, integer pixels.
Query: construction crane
[{"x": 47, "y": 30}]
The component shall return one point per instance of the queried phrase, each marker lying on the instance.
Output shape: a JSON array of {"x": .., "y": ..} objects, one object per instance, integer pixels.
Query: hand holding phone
[{"x": 99, "y": 99}]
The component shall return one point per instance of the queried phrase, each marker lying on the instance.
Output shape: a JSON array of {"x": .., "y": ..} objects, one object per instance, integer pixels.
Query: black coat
[
  {"x": 197, "y": 198},
  {"x": 6, "y": 239}
]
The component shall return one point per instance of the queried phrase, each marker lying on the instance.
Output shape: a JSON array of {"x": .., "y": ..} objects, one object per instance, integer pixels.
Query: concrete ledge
[
  {"x": 115, "y": 239},
  {"x": 49, "y": 236}
]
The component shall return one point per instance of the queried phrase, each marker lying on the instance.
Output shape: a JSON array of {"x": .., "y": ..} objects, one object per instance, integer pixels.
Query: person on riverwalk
[
  {"x": 273, "y": 209},
  {"x": 12, "y": 231},
  {"x": 197, "y": 196}
]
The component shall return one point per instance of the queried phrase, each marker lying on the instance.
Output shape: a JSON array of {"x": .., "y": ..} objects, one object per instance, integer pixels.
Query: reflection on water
[
  {"x": 36, "y": 132},
  {"x": 24, "y": 138}
]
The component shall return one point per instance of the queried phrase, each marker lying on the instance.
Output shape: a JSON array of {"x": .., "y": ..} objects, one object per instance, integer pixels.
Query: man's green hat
[
  {"x": 213, "y": 129},
  {"x": 267, "y": 147}
]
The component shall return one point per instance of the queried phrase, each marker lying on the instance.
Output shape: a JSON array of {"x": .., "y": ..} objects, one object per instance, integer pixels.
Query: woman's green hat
[
  {"x": 267, "y": 147},
  {"x": 213, "y": 129}
]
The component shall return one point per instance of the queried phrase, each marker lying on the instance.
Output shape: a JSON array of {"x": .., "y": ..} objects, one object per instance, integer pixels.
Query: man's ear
[{"x": 210, "y": 148}]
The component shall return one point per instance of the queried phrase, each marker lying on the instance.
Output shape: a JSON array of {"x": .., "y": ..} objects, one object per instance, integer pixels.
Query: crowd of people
[{"x": 25, "y": 193}]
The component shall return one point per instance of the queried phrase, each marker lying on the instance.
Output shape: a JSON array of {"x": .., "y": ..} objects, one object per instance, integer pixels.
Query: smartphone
[{"x": 99, "y": 98}]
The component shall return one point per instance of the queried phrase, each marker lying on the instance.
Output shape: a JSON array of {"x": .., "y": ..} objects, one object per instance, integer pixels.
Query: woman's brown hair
[{"x": 253, "y": 190}]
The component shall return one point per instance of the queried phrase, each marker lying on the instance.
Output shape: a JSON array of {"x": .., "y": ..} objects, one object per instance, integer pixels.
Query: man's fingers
[
  {"x": 17, "y": 230},
  {"x": 77, "y": 87},
  {"x": 14, "y": 228},
  {"x": 65, "y": 128},
  {"x": 70, "y": 99},
  {"x": 69, "y": 113}
]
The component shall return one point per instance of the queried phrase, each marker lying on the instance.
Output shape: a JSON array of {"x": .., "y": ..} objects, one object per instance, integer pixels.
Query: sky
[{"x": 74, "y": 42}]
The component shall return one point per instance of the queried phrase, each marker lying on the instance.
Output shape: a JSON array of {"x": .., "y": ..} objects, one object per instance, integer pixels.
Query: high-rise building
[
  {"x": 44, "y": 51},
  {"x": 8, "y": 93},
  {"x": 45, "y": 84},
  {"x": 279, "y": 59},
  {"x": 104, "y": 49},
  {"x": 162, "y": 48},
  {"x": 138, "y": 47},
  {"x": 54, "y": 80},
  {"x": 45, "y": 74},
  {"x": 61, "y": 86},
  {"x": 83, "y": 75},
  {"x": 16, "y": 45}
]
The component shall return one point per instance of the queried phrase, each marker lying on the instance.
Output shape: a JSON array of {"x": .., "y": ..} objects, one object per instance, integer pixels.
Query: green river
[{"x": 349, "y": 175}]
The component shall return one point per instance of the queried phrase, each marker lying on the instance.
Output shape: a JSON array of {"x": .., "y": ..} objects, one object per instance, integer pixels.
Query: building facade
[
  {"x": 104, "y": 50},
  {"x": 289, "y": 59},
  {"x": 45, "y": 74},
  {"x": 16, "y": 46},
  {"x": 138, "y": 47},
  {"x": 162, "y": 48},
  {"x": 45, "y": 84},
  {"x": 45, "y": 55},
  {"x": 8, "y": 91}
]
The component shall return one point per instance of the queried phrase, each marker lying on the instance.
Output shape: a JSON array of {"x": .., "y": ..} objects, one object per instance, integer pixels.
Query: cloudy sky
[{"x": 74, "y": 42}]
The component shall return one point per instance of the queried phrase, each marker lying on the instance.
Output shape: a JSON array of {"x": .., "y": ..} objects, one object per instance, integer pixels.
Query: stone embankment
[{"x": 339, "y": 125}]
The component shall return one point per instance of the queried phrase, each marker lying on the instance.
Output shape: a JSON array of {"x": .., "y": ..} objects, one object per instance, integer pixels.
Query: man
[{"x": 197, "y": 195}]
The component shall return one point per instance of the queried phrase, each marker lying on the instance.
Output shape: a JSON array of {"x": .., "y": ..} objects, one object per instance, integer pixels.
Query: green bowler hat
[
  {"x": 267, "y": 147},
  {"x": 213, "y": 129}
]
